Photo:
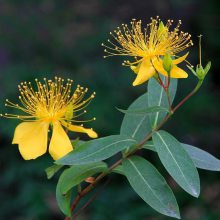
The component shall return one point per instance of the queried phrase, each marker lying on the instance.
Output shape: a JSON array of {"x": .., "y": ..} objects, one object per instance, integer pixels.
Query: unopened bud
[
  {"x": 69, "y": 112},
  {"x": 201, "y": 72},
  {"x": 162, "y": 31},
  {"x": 160, "y": 28},
  {"x": 167, "y": 62}
]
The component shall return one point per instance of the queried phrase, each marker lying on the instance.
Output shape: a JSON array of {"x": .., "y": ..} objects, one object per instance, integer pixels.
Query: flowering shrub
[{"x": 154, "y": 50}]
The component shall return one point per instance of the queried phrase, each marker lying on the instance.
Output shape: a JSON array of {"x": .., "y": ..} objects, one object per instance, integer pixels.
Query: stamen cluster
[
  {"x": 52, "y": 101},
  {"x": 155, "y": 40}
]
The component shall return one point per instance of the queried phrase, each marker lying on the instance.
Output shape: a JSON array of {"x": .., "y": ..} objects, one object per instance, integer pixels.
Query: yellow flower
[
  {"x": 148, "y": 46},
  {"x": 52, "y": 104}
]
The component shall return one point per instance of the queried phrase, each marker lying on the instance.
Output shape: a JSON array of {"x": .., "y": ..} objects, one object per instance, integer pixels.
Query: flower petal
[
  {"x": 60, "y": 144},
  {"x": 158, "y": 65},
  {"x": 80, "y": 129},
  {"x": 145, "y": 72},
  {"x": 31, "y": 138},
  {"x": 176, "y": 72},
  {"x": 136, "y": 68},
  {"x": 180, "y": 59}
]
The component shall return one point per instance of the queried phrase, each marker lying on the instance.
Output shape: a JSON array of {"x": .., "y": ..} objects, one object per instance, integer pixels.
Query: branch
[{"x": 138, "y": 147}]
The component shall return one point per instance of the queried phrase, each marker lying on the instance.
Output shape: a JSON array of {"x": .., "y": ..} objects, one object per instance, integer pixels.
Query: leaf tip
[
  {"x": 173, "y": 212},
  {"x": 196, "y": 193}
]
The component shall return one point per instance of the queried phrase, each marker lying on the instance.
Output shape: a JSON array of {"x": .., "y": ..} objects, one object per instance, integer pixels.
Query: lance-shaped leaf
[
  {"x": 150, "y": 185},
  {"x": 63, "y": 200},
  {"x": 157, "y": 97},
  {"x": 97, "y": 150},
  {"x": 177, "y": 162},
  {"x": 77, "y": 173},
  {"x": 202, "y": 159},
  {"x": 136, "y": 126},
  {"x": 72, "y": 177},
  {"x": 144, "y": 111}
]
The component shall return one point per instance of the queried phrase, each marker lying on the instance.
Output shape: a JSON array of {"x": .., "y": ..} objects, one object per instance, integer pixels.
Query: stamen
[
  {"x": 155, "y": 40},
  {"x": 52, "y": 101}
]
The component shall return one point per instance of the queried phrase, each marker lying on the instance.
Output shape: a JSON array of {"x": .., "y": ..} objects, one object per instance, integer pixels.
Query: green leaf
[
  {"x": 136, "y": 126},
  {"x": 202, "y": 159},
  {"x": 72, "y": 177},
  {"x": 144, "y": 111},
  {"x": 149, "y": 146},
  {"x": 50, "y": 171},
  {"x": 177, "y": 162},
  {"x": 157, "y": 97},
  {"x": 63, "y": 200},
  {"x": 118, "y": 170},
  {"x": 150, "y": 185},
  {"x": 97, "y": 150},
  {"x": 78, "y": 173},
  {"x": 77, "y": 142}
]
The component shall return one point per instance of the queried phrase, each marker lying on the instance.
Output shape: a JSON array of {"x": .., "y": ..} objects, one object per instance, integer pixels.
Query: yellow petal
[
  {"x": 180, "y": 59},
  {"x": 136, "y": 68},
  {"x": 158, "y": 65},
  {"x": 31, "y": 138},
  {"x": 145, "y": 72},
  {"x": 176, "y": 72},
  {"x": 60, "y": 144},
  {"x": 80, "y": 129}
]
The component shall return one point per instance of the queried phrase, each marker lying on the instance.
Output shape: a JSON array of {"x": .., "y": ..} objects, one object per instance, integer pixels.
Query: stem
[
  {"x": 200, "y": 50},
  {"x": 138, "y": 147},
  {"x": 91, "y": 199},
  {"x": 189, "y": 95},
  {"x": 168, "y": 98},
  {"x": 102, "y": 175},
  {"x": 74, "y": 204}
]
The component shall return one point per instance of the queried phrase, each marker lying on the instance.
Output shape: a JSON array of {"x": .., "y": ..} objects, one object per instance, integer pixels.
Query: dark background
[{"x": 47, "y": 38}]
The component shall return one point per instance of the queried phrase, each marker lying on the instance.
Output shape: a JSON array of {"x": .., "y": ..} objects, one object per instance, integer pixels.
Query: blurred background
[{"x": 45, "y": 38}]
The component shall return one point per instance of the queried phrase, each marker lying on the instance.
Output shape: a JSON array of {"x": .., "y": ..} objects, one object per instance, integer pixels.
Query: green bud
[
  {"x": 160, "y": 28},
  {"x": 200, "y": 72},
  {"x": 162, "y": 31},
  {"x": 69, "y": 112},
  {"x": 167, "y": 62}
]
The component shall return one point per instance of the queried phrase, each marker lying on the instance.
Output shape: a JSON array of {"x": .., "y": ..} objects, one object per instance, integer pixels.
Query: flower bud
[
  {"x": 162, "y": 31},
  {"x": 167, "y": 62},
  {"x": 161, "y": 28},
  {"x": 69, "y": 112},
  {"x": 201, "y": 72}
]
